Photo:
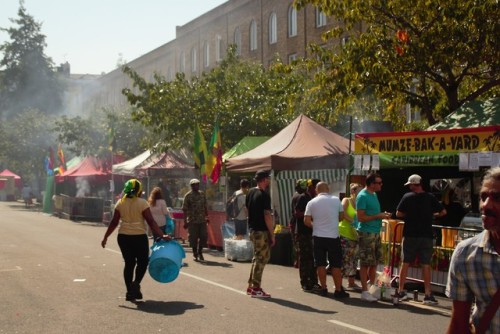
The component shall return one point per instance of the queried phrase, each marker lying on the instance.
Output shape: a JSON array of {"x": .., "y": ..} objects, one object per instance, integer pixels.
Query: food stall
[{"x": 451, "y": 163}]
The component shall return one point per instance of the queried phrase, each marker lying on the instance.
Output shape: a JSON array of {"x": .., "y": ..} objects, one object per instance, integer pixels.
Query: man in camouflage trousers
[
  {"x": 196, "y": 218},
  {"x": 260, "y": 224}
]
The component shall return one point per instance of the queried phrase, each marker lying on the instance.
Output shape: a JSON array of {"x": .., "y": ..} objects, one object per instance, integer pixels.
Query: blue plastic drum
[{"x": 165, "y": 261}]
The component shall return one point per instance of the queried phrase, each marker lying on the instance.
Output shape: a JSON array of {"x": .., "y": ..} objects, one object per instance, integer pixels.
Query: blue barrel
[{"x": 165, "y": 260}]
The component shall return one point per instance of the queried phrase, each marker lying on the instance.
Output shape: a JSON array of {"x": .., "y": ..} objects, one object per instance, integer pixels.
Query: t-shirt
[
  {"x": 159, "y": 211},
  {"x": 257, "y": 201},
  {"x": 240, "y": 202},
  {"x": 419, "y": 209},
  {"x": 131, "y": 219},
  {"x": 368, "y": 202},
  {"x": 324, "y": 210}
]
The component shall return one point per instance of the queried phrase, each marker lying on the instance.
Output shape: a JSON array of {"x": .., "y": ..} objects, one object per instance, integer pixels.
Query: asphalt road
[{"x": 56, "y": 278}]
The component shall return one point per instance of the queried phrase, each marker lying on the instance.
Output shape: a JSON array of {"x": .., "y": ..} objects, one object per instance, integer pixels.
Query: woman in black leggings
[{"x": 130, "y": 212}]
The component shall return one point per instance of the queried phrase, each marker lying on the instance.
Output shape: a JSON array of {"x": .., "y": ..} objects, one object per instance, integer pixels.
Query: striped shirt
[{"x": 475, "y": 274}]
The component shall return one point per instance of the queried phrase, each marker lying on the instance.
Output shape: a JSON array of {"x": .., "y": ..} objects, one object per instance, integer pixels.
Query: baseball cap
[
  {"x": 261, "y": 174},
  {"x": 194, "y": 181},
  {"x": 414, "y": 179}
]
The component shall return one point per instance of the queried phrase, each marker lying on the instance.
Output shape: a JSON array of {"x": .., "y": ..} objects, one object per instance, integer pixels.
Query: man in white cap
[
  {"x": 417, "y": 208},
  {"x": 196, "y": 218}
]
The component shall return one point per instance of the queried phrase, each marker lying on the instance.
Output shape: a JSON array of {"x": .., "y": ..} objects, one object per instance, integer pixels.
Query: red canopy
[
  {"x": 17, "y": 178},
  {"x": 92, "y": 167}
]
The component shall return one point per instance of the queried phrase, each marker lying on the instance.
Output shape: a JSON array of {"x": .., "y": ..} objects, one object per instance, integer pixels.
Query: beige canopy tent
[{"x": 302, "y": 145}]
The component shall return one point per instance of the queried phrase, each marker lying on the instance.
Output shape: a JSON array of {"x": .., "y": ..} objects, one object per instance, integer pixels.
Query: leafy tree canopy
[
  {"x": 434, "y": 55},
  {"x": 28, "y": 79},
  {"x": 245, "y": 98}
]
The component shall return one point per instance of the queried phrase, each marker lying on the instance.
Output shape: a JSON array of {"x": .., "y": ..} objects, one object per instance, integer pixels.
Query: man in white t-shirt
[{"x": 322, "y": 214}]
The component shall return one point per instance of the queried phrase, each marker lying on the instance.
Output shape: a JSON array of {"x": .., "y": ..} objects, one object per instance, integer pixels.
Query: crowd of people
[{"x": 331, "y": 237}]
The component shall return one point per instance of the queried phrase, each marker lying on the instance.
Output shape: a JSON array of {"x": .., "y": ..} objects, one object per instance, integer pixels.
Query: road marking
[
  {"x": 79, "y": 280},
  {"x": 213, "y": 283},
  {"x": 112, "y": 250},
  {"x": 17, "y": 268},
  {"x": 356, "y": 328}
]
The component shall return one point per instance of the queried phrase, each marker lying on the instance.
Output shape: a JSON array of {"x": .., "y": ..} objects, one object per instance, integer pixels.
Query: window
[
  {"x": 219, "y": 49},
  {"x": 170, "y": 75},
  {"x": 291, "y": 58},
  {"x": 253, "y": 36},
  {"x": 320, "y": 18},
  {"x": 206, "y": 54},
  {"x": 292, "y": 21},
  {"x": 273, "y": 27},
  {"x": 194, "y": 60},
  {"x": 237, "y": 40},
  {"x": 182, "y": 62}
]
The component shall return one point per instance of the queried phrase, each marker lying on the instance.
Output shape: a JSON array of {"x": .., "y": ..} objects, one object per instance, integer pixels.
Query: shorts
[
  {"x": 424, "y": 247},
  {"x": 370, "y": 249},
  {"x": 330, "y": 248},
  {"x": 240, "y": 227}
]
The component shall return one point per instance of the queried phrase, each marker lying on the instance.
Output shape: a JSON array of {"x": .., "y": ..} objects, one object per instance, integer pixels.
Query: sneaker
[
  {"x": 323, "y": 292},
  {"x": 130, "y": 297},
  {"x": 402, "y": 296},
  {"x": 201, "y": 257},
  {"x": 259, "y": 293},
  {"x": 317, "y": 288},
  {"x": 353, "y": 287},
  {"x": 340, "y": 294},
  {"x": 430, "y": 300},
  {"x": 249, "y": 290},
  {"x": 366, "y": 296}
]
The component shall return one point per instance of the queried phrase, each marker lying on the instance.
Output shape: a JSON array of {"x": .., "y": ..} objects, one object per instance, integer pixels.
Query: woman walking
[
  {"x": 159, "y": 209},
  {"x": 130, "y": 212}
]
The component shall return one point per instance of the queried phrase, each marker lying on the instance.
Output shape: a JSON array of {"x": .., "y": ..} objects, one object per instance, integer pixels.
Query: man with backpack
[{"x": 237, "y": 211}]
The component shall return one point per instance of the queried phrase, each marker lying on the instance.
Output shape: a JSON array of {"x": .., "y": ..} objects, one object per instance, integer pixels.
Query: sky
[{"x": 95, "y": 35}]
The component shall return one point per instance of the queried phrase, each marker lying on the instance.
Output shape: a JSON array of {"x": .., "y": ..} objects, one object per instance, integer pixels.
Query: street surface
[{"x": 56, "y": 278}]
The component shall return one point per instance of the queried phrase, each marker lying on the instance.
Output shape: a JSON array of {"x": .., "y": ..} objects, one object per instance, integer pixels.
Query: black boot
[
  {"x": 200, "y": 255},
  {"x": 136, "y": 290},
  {"x": 130, "y": 295},
  {"x": 195, "y": 254}
]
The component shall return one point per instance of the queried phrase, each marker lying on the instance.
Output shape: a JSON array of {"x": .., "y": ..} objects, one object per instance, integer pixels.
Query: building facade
[{"x": 260, "y": 29}]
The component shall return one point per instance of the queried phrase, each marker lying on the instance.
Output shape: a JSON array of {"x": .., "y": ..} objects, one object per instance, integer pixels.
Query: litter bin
[{"x": 281, "y": 253}]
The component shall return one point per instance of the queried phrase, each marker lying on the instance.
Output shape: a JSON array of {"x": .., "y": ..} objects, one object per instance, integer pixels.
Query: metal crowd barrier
[{"x": 445, "y": 240}]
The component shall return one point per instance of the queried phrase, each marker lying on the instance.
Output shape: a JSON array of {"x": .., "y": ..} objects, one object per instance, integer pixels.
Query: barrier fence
[{"x": 445, "y": 240}]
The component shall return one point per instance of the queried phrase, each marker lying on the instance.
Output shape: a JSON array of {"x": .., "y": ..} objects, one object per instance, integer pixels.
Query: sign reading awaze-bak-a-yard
[{"x": 427, "y": 148}]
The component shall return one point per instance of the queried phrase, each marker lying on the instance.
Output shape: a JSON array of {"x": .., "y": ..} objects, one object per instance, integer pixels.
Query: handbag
[
  {"x": 169, "y": 225},
  {"x": 488, "y": 314}
]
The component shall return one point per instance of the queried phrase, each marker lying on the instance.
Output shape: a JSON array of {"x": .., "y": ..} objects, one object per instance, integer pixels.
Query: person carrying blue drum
[{"x": 131, "y": 211}]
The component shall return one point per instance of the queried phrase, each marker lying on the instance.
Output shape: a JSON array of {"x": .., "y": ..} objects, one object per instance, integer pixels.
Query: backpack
[{"x": 232, "y": 209}]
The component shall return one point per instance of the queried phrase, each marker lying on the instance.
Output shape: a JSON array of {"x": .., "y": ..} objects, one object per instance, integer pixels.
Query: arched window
[
  {"x": 194, "y": 59},
  {"x": 206, "y": 54},
  {"x": 237, "y": 40},
  {"x": 273, "y": 29},
  {"x": 292, "y": 21},
  {"x": 320, "y": 18},
  {"x": 182, "y": 62},
  {"x": 219, "y": 48},
  {"x": 170, "y": 75},
  {"x": 253, "y": 36}
]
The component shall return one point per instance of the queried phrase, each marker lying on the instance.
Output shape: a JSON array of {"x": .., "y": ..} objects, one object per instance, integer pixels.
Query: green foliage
[
  {"x": 434, "y": 55},
  {"x": 90, "y": 136},
  {"x": 246, "y": 99},
  {"x": 24, "y": 143},
  {"x": 28, "y": 80}
]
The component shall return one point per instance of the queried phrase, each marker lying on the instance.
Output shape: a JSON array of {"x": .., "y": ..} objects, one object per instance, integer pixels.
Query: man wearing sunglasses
[{"x": 474, "y": 274}]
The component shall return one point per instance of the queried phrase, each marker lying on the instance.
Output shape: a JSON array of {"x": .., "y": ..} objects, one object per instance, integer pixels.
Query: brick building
[{"x": 261, "y": 29}]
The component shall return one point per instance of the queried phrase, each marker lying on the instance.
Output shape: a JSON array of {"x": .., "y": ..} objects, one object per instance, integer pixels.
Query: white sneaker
[{"x": 365, "y": 295}]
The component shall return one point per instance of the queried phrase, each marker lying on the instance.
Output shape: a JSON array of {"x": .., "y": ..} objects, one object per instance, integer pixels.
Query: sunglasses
[{"x": 494, "y": 196}]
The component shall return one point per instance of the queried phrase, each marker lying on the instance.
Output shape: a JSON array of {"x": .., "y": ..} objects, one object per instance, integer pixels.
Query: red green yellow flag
[
  {"x": 215, "y": 154},
  {"x": 200, "y": 152}
]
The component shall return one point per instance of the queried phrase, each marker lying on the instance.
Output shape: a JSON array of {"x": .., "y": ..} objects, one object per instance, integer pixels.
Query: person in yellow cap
[{"x": 130, "y": 212}]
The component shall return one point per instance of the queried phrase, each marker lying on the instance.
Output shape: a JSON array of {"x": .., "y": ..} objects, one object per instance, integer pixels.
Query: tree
[
  {"x": 25, "y": 142},
  {"x": 91, "y": 135},
  {"x": 434, "y": 55},
  {"x": 245, "y": 98},
  {"x": 28, "y": 79}
]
